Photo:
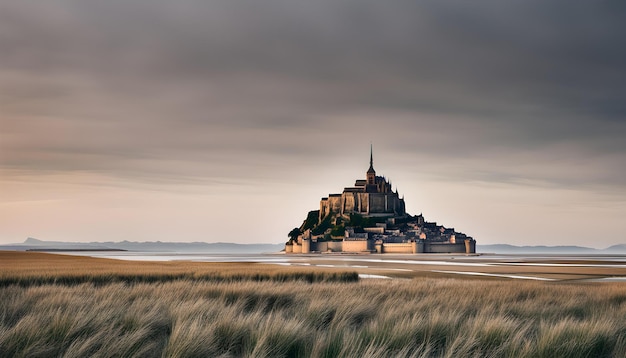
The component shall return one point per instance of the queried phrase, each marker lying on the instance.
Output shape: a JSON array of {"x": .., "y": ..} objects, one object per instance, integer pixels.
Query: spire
[{"x": 371, "y": 169}]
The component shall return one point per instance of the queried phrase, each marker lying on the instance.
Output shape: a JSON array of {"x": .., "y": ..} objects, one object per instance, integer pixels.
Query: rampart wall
[
  {"x": 307, "y": 246},
  {"x": 444, "y": 247},
  {"x": 399, "y": 248},
  {"x": 357, "y": 245},
  {"x": 326, "y": 246}
]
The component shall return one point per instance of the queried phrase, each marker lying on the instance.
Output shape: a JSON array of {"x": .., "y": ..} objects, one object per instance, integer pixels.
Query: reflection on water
[
  {"x": 362, "y": 275},
  {"x": 495, "y": 275},
  {"x": 604, "y": 268},
  {"x": 173, "y": 256},
  {"x": 608, "y": 279},
  {"x": 429, "y": 259}
]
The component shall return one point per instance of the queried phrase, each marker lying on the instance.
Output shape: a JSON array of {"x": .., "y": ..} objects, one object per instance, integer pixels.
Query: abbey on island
[{"x": 370, "y": 217}]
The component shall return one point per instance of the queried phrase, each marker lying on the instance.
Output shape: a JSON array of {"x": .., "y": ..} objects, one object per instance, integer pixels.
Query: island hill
[{"x": 371, "y": 218}]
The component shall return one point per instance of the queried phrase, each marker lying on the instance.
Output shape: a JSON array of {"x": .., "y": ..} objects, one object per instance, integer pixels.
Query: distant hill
[
  {"x": 620, "y": 248},
  {"x": 512, "y": 249},
  {"x": 217, "y": 247},
  {"x": 33, "y": 244},
  {"x": 155, "y": 246}
]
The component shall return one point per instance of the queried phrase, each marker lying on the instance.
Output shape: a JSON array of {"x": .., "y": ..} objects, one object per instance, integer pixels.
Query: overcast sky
[{"x": 199, "y": 120}]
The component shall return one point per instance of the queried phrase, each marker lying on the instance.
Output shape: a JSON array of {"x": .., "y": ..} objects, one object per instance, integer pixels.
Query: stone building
[
  {"x": 370, "y": 217},
  {"x": 370, "y": 197}
]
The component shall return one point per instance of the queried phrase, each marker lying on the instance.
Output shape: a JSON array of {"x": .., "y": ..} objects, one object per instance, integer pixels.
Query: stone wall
[
  {"x": 319, "y": 246},
  {"x": 326, "y": 246},
  {"x": 375, "y": 230},
  {"x": 386, "y": 203},
  {"x": 354, "y": 202},
  {"x": 357, "y": 245},
  {"x": 324, "y": 209},
  {"x": 364, "y": 203},
  {"x": 470, "y": 246},
  {"x": 398, "y": 248},
  {"x": 444, "y": 247},
  {"x": 377, "y": 203},
  {"x": 334, "y": 203},
  {"x": 349, "y": 202}
]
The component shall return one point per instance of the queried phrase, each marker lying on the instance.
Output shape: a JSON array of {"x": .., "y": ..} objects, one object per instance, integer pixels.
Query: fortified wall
[{"x": 306, "y": 246}]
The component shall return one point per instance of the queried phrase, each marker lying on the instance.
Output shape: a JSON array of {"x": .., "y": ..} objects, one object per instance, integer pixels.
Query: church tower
[{"x": 371, "y": 173}]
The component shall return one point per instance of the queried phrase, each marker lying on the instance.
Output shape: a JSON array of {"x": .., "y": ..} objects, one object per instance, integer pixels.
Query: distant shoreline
[{"x": 74, "y": 250}]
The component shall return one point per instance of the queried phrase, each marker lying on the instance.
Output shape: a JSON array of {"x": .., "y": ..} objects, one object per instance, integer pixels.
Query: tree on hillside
[{"x": 293, "y": 234}]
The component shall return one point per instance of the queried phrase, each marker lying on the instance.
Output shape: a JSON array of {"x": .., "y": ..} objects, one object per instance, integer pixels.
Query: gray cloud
[{"x": 505, "y": 91}]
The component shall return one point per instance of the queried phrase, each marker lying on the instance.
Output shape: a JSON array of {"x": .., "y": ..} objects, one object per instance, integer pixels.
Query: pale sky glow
[{"x": 228, "y": 120}]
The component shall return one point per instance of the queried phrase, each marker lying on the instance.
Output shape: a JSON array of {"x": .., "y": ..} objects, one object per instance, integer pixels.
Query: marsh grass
[{"x": 195, "y": 317}]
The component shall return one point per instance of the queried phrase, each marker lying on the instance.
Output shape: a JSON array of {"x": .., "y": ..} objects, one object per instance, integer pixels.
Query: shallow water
[
  {"x": 596, "y": 268},
  {"x": 616, "y": 261},
  {"x": 495, "y": 275}
]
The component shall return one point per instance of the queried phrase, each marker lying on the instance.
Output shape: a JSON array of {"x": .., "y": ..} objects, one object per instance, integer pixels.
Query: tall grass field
[{"x": 57, "y": 306}]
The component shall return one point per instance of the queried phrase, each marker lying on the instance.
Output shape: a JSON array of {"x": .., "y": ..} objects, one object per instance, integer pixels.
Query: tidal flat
[{"x": 56, "y": 305}]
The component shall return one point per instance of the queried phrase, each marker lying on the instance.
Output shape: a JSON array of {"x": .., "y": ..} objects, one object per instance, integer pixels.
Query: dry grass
[{"x": 190, "y": 317}]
